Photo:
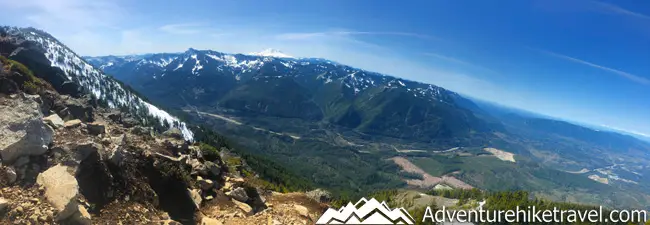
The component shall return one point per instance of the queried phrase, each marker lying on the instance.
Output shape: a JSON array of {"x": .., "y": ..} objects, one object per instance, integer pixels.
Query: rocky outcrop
[
  {"x": 61, "y": 190},
  {"x": 22, "y": 129},
  {"x": 103, "y": 167}
]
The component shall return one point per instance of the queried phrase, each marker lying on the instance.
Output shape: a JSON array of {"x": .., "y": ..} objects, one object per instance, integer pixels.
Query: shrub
[{"x": 31, "y": 83}]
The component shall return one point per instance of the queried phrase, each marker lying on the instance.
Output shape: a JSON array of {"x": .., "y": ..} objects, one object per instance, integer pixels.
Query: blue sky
[{"x": 581, "y": 60}]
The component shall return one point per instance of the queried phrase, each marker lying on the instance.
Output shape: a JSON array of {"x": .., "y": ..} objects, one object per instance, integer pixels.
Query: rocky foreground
[{"x": 66, "y": 160}]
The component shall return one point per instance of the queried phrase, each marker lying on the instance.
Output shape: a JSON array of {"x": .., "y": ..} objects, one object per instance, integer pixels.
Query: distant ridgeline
[{"x": 72, "y": 75}]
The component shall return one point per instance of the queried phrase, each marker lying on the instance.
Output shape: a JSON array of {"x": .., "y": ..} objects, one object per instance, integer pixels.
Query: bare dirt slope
[{"x": 428, "y": 181}]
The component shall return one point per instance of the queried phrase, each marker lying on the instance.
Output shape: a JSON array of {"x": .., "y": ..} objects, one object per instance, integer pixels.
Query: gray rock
[
  {"x": 22, "y": 129},
  {"x": 96, "y": 128},
  {"x": 61, "y": 190},
  {"x": 238, "y": 194},
  {"x": 54, "y": 120}
]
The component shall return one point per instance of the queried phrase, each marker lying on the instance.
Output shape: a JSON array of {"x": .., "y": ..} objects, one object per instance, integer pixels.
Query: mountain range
[{"x": 307, "y": 88}]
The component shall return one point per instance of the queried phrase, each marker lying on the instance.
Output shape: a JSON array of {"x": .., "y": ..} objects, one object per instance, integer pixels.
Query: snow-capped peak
[{"x": 272, "y": 53}]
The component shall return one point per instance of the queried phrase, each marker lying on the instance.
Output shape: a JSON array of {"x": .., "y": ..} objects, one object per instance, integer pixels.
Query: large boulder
[
  {"x": 22, "y": 129},
  {"x": 92, "y": 173},
  {"x": 61, "y": 190}
]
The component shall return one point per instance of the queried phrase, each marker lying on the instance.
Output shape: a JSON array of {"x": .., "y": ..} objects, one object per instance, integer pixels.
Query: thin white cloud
[
  {"x": 611, "y": 8},
  {"x": 311, "y": 35},
  {"x": 629, "y": 76},
  {"x": 459, "y": 61},
  {"x": 184, "y": 28},
  {"x": 67, "y": 14}
]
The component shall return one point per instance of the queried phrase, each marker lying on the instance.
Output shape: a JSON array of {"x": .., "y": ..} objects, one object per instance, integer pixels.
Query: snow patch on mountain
[
  {"x": 197, "y": 65},
  {"x": 270, "y": 52},
  {"x": 354, "y": 79},
  {"x": 96, "y": 82}
]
